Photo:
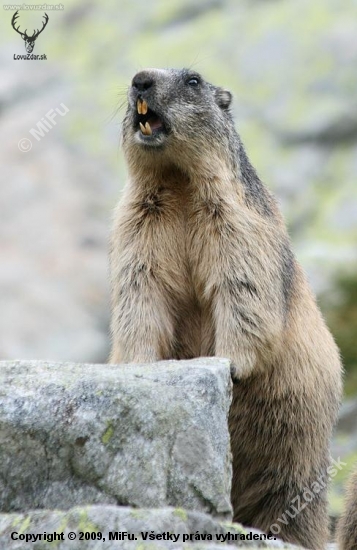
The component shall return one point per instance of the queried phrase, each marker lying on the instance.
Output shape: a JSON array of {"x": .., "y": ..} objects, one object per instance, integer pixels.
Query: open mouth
[{"x": 147, "y": 121}]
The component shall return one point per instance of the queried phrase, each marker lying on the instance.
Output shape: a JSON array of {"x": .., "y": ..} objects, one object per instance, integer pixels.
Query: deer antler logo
[{"x": 29, "y": 40}]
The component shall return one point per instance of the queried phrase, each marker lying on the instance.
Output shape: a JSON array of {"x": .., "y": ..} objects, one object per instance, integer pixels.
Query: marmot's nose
[{"x": 142, "y": 81}]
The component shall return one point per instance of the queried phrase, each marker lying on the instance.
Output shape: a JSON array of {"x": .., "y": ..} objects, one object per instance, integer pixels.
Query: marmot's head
[{"x": 174, "y": 112}]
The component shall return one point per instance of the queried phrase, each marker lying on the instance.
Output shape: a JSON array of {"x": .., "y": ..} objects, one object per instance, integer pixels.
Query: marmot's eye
[{"x": 193, "y": 82}]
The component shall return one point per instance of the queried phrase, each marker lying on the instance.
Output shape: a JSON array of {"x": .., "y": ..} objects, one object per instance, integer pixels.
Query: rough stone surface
[
  {"x": 105, "y": 519},
  {"x": 141, "y": 435}
]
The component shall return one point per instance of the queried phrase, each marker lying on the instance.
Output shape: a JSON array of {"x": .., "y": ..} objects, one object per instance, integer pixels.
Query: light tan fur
[
  {"x": 346, "y": 532},
  {"x": 201, "y": 265}
]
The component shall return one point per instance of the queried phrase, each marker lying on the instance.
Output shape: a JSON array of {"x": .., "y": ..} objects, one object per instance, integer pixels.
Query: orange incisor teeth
[
  {"x": 146, "y": 130},
  {"x": 139, "y": 106},
  {"x": 144, "y": 107}
]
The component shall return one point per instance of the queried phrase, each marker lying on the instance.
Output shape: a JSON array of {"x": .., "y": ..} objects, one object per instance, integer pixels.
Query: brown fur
[
  {"x": 346, "y": 533},
  {"x": 201, "y": 265}
]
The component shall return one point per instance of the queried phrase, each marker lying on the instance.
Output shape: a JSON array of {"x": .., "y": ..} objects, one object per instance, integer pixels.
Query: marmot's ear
[{"x": 223, "y": 98}]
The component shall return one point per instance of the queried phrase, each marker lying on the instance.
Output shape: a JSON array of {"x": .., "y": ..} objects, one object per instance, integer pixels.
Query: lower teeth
[{"x": 146, "y": 130}]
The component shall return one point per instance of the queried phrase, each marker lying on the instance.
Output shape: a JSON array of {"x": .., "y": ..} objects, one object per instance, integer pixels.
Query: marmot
[
  {"x": 201, "y": 265},
  {"x": 346, "y": 532}
]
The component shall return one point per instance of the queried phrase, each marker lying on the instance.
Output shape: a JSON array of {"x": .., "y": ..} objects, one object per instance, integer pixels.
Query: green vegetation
[
  {"x": 341, "y": 315},
  {"x": 108, "y": 434}
]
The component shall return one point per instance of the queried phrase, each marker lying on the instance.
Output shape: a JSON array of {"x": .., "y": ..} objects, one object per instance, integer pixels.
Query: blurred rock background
[{"x": 292, "y": 67}]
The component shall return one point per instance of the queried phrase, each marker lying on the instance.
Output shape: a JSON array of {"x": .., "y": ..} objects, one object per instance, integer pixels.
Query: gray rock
[
  {"x": 141, "y": 435},
  {"x": 139, "y": 523}
]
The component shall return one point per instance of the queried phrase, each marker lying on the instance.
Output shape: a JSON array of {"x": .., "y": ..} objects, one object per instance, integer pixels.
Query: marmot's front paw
[
  {"x": 243, "y": 366},
  {"x": 236, "y": 372}
]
